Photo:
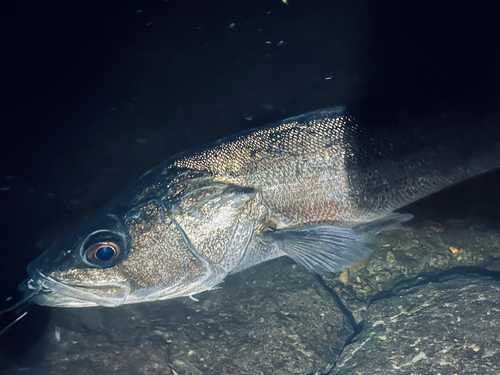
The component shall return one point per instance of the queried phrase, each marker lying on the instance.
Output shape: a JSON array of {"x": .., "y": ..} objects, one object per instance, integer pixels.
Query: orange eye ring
[{"x": 103, "y": 252}]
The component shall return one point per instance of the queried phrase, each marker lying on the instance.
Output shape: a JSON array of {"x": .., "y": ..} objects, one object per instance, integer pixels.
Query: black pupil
[{"x": 105, "y": 253}]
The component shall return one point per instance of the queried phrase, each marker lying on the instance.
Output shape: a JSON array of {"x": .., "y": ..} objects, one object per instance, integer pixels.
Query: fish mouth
[{"x": 46, "y": 291}]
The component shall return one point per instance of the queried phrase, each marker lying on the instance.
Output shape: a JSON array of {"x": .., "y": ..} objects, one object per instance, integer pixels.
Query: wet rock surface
[
  {"x": 421, "y": 248},
  {"x": 271, "y": 319},
  {"x": 278, "y": 318},
  {"x": 446, "y": 327}
]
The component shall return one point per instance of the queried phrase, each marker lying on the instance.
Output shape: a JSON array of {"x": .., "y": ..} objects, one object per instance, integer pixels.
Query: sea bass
[{"x": 316, "y": 187}]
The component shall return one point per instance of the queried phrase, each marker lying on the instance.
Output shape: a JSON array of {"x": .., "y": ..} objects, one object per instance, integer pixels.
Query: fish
[{"x": 316, "y": 187}]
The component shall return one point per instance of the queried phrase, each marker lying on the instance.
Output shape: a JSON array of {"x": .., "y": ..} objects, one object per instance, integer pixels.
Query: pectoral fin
[{"x": 327, "y": 248}]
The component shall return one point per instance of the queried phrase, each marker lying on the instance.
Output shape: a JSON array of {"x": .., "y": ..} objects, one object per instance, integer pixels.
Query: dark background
[{"x": 96, "y": 93}]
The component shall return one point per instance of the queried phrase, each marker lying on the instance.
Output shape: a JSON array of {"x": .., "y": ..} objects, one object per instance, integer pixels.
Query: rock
[
  {"x": 422, "y": 248},
  {"x": 271, "y": 319},
  {"x": 448, "y": 327}
]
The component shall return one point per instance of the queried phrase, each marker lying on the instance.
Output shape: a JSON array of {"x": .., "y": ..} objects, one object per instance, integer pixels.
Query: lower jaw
[{"x": 57, "y": 300}]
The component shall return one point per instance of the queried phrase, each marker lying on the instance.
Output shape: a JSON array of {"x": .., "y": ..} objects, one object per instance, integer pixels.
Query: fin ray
[{"x": 328, "y": 248}]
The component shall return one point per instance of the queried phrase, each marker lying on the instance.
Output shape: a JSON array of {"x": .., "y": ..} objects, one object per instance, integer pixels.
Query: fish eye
[
  {"x": 103, "y": 252},
  {"x": 103, "y": 249}
]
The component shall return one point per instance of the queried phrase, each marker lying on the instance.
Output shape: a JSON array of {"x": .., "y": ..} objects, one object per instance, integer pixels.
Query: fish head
[{"x": 168, "y": 236}]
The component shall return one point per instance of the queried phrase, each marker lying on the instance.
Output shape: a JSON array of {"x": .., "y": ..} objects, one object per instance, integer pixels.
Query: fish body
[{"x": 315, "y": 187}]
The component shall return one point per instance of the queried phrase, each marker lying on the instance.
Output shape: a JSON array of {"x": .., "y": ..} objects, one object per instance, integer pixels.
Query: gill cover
[{"x": 183, "y": 235}]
